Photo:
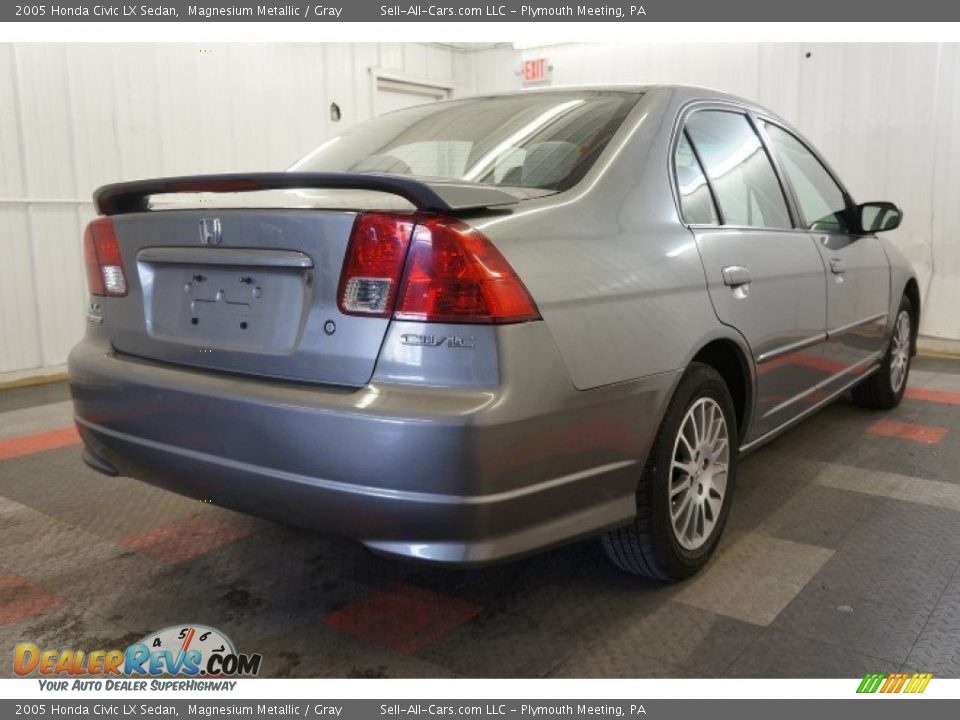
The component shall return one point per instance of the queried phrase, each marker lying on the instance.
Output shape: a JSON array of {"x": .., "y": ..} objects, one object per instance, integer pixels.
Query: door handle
[
  {"x": 837, "y": 266},
  {"x": 735, "y": 275}
]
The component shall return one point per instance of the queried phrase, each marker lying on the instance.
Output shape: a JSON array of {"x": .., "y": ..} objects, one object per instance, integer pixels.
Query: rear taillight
[
  {"x": 101, "y": 254},
  {"x": 454, "y": 274},
  {"x": 429, "y": 269}
]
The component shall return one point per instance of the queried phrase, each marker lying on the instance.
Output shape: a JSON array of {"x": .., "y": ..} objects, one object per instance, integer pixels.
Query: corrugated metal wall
[
  {"x": 73, "y": 117},
  {"x": 887, "y": 116}
]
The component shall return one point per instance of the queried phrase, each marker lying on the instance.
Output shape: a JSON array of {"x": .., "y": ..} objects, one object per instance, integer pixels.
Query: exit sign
[{"x": 535, "y": 71}]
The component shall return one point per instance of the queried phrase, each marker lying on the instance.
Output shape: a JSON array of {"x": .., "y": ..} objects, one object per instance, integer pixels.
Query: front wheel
[
  {"x": 884, "y": 389},
  {"x": 685, "y": 489}
]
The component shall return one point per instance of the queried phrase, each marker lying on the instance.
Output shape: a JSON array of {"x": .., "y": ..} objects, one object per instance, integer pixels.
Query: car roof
[
  {"x": 684, "y": 93},
  {"x": 681, "y": 92},
  {"x": 693, "y": 90}
]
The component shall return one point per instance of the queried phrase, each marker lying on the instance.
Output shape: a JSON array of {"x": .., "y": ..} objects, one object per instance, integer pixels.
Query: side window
[
  {"x": 820, "y": 198},
  {"x": 696, "y": 202},
  {"x": 747, "y": 188}
]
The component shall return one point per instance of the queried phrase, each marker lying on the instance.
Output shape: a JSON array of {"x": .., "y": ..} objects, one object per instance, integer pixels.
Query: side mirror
[{"x": 879, "y": 216}]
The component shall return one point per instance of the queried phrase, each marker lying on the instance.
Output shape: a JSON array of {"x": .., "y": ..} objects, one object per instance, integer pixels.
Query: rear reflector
[
  {"x": 450, "y": 273},
  {"x": 101, "y": 254}
]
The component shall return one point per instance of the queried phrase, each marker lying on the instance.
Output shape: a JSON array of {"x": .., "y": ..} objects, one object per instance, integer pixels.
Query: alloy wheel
[
  {"x": 900, "y": 351},
  {"x": 698, "y": 473}
]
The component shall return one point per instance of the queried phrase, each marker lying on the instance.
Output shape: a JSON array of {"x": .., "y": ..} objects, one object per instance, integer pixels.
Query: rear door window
[
  {"x": 821, "y": 200},
  {"x": 744, "y": 181}
]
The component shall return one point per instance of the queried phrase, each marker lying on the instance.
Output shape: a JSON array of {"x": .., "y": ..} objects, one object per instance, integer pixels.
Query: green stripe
[{"x": 871, "y": 682}]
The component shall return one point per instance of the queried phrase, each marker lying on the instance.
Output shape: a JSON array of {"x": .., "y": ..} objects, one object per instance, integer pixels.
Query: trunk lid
[
  {"x": 261, "y": 301},
  {"x": 240, "y": 273}
]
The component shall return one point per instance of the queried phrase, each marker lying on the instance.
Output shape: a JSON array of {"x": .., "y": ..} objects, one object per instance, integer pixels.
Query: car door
[
  {"x": 765, "y": 277},
  {"x": 858, "y": 281}
]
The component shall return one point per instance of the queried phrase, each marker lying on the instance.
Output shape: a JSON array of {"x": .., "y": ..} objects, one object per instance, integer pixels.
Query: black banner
[{"x": 472, "y": 11}]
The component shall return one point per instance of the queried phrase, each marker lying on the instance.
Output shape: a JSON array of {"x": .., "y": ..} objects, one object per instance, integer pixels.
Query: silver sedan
[{"x": 474, "y": 329}]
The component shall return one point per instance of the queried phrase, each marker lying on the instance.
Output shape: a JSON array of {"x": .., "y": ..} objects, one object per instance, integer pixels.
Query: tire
[
  {"x": 884, "y": 388},
  {"x": 652, "y": 546}
]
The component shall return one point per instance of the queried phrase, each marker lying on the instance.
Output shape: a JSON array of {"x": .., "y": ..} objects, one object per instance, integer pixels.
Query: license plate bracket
[{"x": 244, "y": 309}]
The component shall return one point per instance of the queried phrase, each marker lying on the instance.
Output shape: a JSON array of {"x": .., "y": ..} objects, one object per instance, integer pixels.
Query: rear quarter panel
[{"x": 616, "y": 276}]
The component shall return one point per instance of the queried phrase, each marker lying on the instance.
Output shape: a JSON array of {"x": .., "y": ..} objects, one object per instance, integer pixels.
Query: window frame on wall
[{"x": 431, "y": 89}]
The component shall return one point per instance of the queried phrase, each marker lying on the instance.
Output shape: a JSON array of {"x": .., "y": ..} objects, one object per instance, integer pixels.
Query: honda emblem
[{"x": 210, "y": 231}]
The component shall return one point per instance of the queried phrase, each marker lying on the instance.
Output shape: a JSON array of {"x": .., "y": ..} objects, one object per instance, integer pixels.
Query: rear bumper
[{"x": 450, "y": 476}]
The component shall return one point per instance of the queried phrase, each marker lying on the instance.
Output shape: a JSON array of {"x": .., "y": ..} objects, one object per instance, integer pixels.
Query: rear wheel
[
  {"x": 884, "y": 389},
  {"x": 684, "y": 494}
]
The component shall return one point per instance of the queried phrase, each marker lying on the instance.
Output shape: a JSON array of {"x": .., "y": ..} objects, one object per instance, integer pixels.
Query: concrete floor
[{"x": 841, "y": 558}]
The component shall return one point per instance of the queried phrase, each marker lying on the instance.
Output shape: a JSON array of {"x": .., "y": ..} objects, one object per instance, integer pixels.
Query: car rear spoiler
[{"x": 431, "y": 196}]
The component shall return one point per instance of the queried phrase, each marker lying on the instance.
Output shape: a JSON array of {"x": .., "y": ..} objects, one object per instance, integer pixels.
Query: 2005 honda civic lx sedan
[{"x": 470, "y": 330}]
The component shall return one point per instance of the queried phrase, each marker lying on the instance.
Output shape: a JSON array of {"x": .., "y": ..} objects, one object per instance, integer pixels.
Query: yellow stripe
[
  {"x": 33, "y": 380},
  {"x": 938, "y": 354},
  {"x": 926, "y": 681}
]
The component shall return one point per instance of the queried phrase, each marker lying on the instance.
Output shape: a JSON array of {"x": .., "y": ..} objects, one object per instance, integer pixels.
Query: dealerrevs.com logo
[{"x": 179, "y": 651}]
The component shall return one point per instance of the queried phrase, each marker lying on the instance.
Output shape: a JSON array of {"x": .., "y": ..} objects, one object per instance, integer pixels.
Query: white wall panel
[
  {"x": 100, "y": 117},
  {"x": 875, "y": 121},
  {"x": 415, "y": 59},
  {"x": 47, "y": 120},
  {"x": 59, "y": 285},
  {"x": 391, "y": 56},
  {"x": 365, "y": 56},
  {"x": 887, "y": 117},
  {"x": 75, "y": 116},
  {"x": 943, "y": 299},
  {"x": 11, "y": 167},
  {"x": 19, "y": 339},
  {"x": 439, "y": 63}
]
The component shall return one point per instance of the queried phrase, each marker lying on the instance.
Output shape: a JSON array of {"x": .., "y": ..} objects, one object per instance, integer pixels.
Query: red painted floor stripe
[
  {"x": 937, "y": 396},
  {"x": 28, "y": 444},
  {"x": 20, "y": 598},
  {"x": 402, "y": 617},
  {"x": 185, "y": 539},
  {"x": 929, "y": 434}
]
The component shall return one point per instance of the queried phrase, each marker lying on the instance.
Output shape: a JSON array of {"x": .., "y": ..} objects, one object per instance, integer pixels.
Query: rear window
[{"x": 541, "y": 140}]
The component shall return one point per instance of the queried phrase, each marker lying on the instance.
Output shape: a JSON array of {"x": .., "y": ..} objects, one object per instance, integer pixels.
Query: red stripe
[
  {"x": 184, "y": 540},
  {"x": 29, "y": 444},
  {"x": 937, "y": 396},
  {"x": 20, "y": 599},
  {"x": 402, "y": 617},
  {"x": 928, "y": 434}
]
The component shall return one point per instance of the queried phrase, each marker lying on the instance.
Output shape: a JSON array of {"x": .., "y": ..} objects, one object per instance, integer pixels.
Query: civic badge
[{"x": 210, "y": 231}]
